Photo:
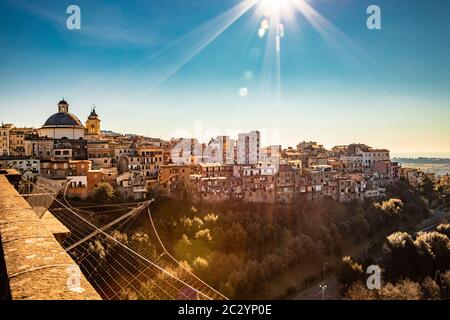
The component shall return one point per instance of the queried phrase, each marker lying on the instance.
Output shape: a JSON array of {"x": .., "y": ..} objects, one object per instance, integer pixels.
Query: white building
[
  {"x": 26, "y": 166},
  {"x": 248, "y": 147},
  {"x": 221, "y": 150},
  {"x": 351, "y": 162},
  {"x": 368, "y": 156}
]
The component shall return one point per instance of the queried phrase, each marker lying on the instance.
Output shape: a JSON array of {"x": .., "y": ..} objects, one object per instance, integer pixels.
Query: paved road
[
  {"x": 315, "y": 292},
  {"x": 437, "y": 218}
]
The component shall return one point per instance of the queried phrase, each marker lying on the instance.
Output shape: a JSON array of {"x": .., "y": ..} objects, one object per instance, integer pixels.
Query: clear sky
[{"x": 158, "y": 67}]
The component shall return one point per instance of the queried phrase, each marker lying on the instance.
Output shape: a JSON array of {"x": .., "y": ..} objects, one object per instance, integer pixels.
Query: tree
[
  {"x": 439, "y": 245},
  {"x": 235, "y": 238},
  {"x": 391, "y": 208},
  {"x": 430, "y": 289},
  {"x": 338, "y": 240},
  {"x": 349, "y": 272},
  {"x": 426, "y": 187},
  {"x": 402, "y": 290},
  {"x": 444, "y": 229},
  {"x": 103, "y": 193},
  {"x": 358, "y": 291},
  {"x": 327, "y": 240},
  {"x": 445, "y": 284},
  {"x": 401, "y": 256}
]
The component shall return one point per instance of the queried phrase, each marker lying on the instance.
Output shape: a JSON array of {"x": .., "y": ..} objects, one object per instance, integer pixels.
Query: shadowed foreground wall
[{"x": 33, "y": 264}]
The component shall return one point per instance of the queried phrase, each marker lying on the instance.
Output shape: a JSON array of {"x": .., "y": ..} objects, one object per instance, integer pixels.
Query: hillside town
[{"x": 82, "y": 157}]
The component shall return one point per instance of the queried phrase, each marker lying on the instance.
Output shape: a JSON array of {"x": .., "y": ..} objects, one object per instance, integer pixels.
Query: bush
[
  {"x": 103, "y": 193},
  {"x": 444, "y": 229},
  {"x": 430, "y": 289},
  {"x": 403, "y": 290},
  {"x": 358, "y": 291}
]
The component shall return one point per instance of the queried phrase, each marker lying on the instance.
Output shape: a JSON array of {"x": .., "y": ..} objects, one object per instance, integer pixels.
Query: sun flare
[{"x": 275, "y": 8}]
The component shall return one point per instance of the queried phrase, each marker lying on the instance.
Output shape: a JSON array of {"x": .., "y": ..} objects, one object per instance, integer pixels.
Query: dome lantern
[{"x": 63, "y": 106}]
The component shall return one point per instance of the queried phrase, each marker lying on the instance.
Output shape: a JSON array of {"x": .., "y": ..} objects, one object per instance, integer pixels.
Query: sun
[{"x": 275, "y": 8}]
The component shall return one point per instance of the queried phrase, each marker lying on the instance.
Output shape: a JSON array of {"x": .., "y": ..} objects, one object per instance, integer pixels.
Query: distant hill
[
  {"x": 438, "y": 166},
  {"x": 423, "y": 160}
]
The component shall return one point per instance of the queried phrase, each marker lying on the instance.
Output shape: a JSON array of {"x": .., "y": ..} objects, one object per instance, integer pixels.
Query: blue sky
[{"x": 156, "y": 67}]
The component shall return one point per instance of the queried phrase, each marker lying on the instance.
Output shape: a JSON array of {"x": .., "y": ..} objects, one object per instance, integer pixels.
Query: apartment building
[
  {"x": 80, "y": 167},
  {"x": 369, "y": 155},
  {"x": 387, "y": 170},
  {"x": 55, "y": 169},
  {"x": 39, "y": 147},
  {"x": 209, "y": 170},
  {"x": 99, "y": 153},
  {"x": 28, "y": 167},
  {"x": 348, "y": 189},
  {"x": 258, "y": 183},
  {"x": 4, "y": 139},
  {"x": 151, "y": 158},
  {"x": 220, "y": 149},
  {"x": 186, "y": 151},
  {"x": 75, "y": 149},
  {"x": 132, "y": 185},
  {"x": 286, "y": 183},
  {"x": 319, "y": 176},
  {"x": 17, "y": 141},
  {"x": 248, "y": 148},
  {"x": 413, "y": 175},
  {"x": 77, "y": 187},
  {"x": 212, "y": 188},
  {"x": 351, "y": 162}
]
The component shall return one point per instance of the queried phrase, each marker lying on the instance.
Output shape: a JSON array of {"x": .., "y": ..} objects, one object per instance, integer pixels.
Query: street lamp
[{"x": 323, "y": 287}]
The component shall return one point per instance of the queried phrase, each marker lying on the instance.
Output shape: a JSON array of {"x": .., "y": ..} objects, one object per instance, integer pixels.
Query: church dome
[
  {"x": 63, "y": 119},
  {"x": 63, "y": 124}
]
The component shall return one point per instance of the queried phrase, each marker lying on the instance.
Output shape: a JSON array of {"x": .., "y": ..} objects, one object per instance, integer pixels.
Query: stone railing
[{"x": 33, "y": 265}]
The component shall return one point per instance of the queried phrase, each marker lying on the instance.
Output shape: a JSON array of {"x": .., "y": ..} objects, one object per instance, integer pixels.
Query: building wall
[
  {"x": 55, "y": 169},
  {"x": 77, "y": 187},
  {"x": 94, "y": 178},
  {"x": 59, "y": 133},
  {"x": 80, "y": 167},
  {"x": 17, "y": 142},
  {"x": 39, "y": 148},
  {"x": 4, "y": 141},
  {"x": 248, "y": 147}
]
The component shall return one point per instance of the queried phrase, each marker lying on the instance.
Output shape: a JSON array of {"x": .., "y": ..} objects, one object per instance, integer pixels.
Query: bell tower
[{"x": 93, "y": 125}]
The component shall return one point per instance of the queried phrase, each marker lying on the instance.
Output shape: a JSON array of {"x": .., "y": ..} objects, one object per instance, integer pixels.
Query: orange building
[
  {"x": 80, "y": 167},
  {"x": 94, "y": 178}
]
